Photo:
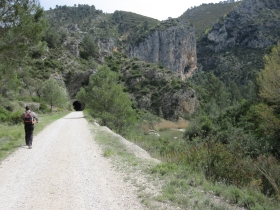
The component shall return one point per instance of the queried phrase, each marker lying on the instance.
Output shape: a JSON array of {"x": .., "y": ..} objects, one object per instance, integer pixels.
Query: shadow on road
[{"x": 71, "y": 118}]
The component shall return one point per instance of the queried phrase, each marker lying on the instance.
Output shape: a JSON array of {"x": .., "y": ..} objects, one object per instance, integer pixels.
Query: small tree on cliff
[
  {"x": 104, "y": 98},
  {"x": 88, "y": 48}
]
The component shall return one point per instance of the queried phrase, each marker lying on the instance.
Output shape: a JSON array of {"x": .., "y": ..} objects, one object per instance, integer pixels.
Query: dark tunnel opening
[{"x": 78, "y": 106}]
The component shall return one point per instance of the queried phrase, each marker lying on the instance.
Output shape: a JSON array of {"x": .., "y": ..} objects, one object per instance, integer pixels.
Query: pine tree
[
  {"x": 269, "y": 82},
  {"x": 53, "y": 94},
  {"x": 269, "y": 77},
  {"x": 105, "y": 99},
  {"x": 21, "y": 29},
  {"x": 22, "y": 26},
  {"x": 88, "y": 48}
]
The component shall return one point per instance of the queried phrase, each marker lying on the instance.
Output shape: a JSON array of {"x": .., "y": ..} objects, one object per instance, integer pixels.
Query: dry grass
[
  {"x": 165, "y": 125},
  {"x": 146, "y": 128},
  {"x": 182, "y": 123}
]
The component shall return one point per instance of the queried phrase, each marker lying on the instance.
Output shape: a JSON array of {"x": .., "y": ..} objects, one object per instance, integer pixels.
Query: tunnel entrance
[{"x": 77, "y": 106}]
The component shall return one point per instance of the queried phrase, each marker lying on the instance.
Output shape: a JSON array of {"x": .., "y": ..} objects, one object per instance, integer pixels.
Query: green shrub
[
  {"x": 235, "y": 195},
  {"x": 51, "y": 64},
  {"x": 10, "y": 117},
  {"x": 44, "y": 108},
  {"x": 24, "y": 98},
  {"x": 193, "y": 131},
  {"x": 221, "y": 162},
  {"x": 3, "y": 114},
  {"x": 163, "y": 168},
  {"x": 206, "y": 125},
  {"x": 269, "y": 170},
  {"x": 144, "y": 91},
  {"x": 6, "y": 104},
  {"x": 135, "y": 66},
  {"x": 15, "y": 117},
  {"x": 136, "y": 75},
  {"x": 160, "y": 66},
  {"x": 200, "y": 127}
]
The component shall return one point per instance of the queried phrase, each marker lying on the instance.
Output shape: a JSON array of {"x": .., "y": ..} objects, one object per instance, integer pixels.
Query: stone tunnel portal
[{"x": 78, "y": 106}]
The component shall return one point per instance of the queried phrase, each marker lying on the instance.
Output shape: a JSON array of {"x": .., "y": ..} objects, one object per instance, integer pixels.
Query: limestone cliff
[
  {"x": 235, "y": 46},
  {"x": 174, "y": 48},
  {"x": 254, "y": 24},
  {"x": 157, "y": 89}
]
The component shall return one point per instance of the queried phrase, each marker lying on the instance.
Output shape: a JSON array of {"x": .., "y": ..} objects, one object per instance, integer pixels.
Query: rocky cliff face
[
  {"x": 235, "y": 46},
  {"x": 178, "y": 103},
  {"x": 72, "y": 45},
  {"x": 75, "y": 81},
  {"x": 158, "y": 91},
  {"x": 105, "y": 46},
  {"x": 254, "y": 24},
  {"x": 174, "y": 48}
]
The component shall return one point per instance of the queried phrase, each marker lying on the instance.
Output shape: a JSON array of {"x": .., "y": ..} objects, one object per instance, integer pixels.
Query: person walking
[{"x": 28, "y": 119}]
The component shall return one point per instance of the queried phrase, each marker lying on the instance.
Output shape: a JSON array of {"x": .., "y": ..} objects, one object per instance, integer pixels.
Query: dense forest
[{"x": 232, "y": 138}]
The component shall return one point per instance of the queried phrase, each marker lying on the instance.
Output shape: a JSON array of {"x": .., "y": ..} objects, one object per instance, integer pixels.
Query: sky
[{"x": 158, "y": 9}]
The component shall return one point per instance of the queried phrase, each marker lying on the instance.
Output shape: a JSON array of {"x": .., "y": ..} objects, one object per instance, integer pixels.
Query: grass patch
[
  {"x": 108, "y": 153},
  {"x": 111, "y": 146},
  {"x": 171, "y": 134},
  {"x": 12, "y": 136}
]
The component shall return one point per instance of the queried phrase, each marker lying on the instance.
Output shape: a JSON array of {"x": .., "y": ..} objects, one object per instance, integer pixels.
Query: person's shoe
[{"x": 30, "y": 147}]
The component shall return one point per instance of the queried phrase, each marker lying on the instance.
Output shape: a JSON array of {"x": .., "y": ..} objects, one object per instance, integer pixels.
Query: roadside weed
[{"x": 108, "y": 153}]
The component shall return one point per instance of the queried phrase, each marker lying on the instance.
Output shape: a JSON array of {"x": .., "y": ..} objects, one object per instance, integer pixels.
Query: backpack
[{"x": 28, "y": 119}]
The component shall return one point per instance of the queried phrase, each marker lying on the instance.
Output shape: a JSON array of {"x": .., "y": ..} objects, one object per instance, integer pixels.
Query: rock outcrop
[
  {"x": 179, "y": 103},
  {"x": 158, "y": 91},
  {"x": 235, "y": 46},
  {"x": 75, "y": 81},
  {"x": 72, "y": 45},
  {"x": 174, "y": 48},
  {"x": 253, "y": 24},
  {"x": 106, "y": 46}
]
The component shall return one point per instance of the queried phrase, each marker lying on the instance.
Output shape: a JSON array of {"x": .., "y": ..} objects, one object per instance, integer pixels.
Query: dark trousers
[{"x": 29, "y": 134}]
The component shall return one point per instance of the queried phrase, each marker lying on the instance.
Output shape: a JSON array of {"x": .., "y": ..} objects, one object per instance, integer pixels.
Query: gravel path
[{"x": 64, "y": 170}]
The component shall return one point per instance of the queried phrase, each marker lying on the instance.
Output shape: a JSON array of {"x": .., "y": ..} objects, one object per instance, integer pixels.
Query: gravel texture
[{"x": 64, "y": 170}]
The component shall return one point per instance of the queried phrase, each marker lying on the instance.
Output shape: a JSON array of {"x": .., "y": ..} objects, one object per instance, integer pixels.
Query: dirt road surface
[{"x": 64, "y": 170}]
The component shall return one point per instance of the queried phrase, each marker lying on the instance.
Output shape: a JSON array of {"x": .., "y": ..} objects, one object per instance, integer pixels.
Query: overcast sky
[{"x": 158, "y": 9}]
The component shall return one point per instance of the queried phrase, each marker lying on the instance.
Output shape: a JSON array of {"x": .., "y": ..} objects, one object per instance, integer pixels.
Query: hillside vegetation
[{"x": 204, "y": 16}]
